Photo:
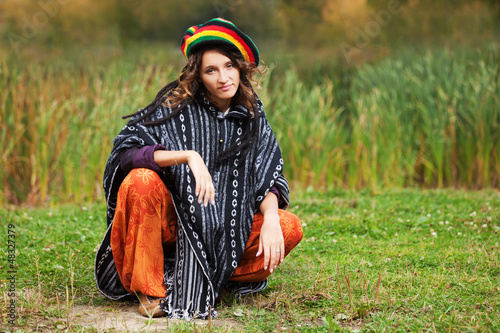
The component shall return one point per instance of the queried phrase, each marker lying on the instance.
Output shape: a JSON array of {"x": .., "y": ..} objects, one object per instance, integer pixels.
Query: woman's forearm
[{"x": 165, "y": 158}]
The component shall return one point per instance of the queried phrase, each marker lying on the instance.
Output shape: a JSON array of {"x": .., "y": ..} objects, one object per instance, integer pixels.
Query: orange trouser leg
[
  {"x": 251, "y": 268},
  {"x": 144, "y": 220}
]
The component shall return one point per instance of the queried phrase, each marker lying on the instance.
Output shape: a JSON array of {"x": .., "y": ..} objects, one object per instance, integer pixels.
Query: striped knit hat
[{"x": 219, "y": 32}]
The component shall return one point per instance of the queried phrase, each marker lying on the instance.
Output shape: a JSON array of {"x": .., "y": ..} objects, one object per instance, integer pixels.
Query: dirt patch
[{"x": 127, "y": 319}]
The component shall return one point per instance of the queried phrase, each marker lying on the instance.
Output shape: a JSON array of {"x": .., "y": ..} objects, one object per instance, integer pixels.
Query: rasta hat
[{"x": 219, "y": 32}]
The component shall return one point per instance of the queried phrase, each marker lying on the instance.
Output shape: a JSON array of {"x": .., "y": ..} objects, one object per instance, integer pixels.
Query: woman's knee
[
  {"x": 143, "y": 191},
  {"x": 291, "y": 227},
  {"x": 142, "y": 180}
]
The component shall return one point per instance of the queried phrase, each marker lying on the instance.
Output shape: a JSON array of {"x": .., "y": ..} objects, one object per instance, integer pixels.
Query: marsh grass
[
  {"x": 372, "y": 261},
  {"x": 58, "y": 123},
  {"x": 428, "y": 119}
]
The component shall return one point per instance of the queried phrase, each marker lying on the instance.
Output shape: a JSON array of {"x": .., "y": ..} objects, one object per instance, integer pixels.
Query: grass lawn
[{"x": 383, "y": 261}]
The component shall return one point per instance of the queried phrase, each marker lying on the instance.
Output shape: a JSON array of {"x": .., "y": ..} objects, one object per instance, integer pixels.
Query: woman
[{"x": 194, "y": 185}]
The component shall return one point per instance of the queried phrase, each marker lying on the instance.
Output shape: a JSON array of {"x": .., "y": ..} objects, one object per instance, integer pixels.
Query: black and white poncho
[{"x": 210, "y": 240}]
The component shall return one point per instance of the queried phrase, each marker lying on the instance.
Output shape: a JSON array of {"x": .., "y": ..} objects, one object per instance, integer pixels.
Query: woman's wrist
[
  {"x": 269, "y": 205},
  {"x": 190, "y": 155}
]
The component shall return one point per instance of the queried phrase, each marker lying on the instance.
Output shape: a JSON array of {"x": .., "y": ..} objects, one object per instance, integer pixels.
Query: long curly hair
[{"x": 177, "y": 94}]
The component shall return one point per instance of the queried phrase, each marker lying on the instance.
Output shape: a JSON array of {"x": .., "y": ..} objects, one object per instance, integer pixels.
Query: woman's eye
[
  {"x": 210, "y": 71},
  {"x": 229, "y": 66}
]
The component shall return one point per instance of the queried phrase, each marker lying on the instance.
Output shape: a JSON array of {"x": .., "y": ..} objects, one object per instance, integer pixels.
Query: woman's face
[{"x": 220, "y": 77}]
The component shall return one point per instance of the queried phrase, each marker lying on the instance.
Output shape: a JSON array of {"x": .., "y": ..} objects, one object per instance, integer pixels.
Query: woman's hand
[
  {"x": 205, "y": 190},
  {"x": 204, "y": 186},
  {"x": 271, "y": 241}
]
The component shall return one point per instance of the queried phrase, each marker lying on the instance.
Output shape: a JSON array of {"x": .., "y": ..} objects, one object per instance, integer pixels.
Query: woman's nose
[{"x": 223, "y": 76}]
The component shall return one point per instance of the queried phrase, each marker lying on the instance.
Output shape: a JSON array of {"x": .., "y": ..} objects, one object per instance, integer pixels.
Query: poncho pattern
[{"x": 210, "y": 240}]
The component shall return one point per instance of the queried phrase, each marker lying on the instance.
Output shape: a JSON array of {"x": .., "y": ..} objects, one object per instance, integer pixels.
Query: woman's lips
[{"x": 226, "y": 87}]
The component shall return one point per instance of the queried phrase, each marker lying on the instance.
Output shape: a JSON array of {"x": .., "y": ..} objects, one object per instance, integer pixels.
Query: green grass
[{"x": 371, "y": 261}]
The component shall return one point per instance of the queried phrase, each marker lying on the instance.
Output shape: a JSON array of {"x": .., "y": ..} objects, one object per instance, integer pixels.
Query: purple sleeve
[
  {"x": 140, "y": 158},
  {"x": 275, "y": 191}
]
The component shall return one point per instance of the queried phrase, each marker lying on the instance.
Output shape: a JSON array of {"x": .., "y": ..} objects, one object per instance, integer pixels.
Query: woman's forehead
[{"x": 214, "y": 57}]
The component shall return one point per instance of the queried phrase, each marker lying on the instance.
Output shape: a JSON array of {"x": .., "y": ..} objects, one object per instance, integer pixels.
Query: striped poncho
[{"x": 210, "y": 240}]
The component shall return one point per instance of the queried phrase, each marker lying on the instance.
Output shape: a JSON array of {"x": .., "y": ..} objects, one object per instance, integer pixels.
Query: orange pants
[{"x": 145, "y": 223}]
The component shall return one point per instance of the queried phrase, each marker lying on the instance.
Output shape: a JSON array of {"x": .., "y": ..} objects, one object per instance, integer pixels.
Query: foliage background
[{"x": 306, "y": 25}]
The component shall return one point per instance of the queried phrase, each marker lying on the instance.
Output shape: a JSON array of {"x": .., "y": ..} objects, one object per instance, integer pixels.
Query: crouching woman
[{"x": 194, "y": 187}]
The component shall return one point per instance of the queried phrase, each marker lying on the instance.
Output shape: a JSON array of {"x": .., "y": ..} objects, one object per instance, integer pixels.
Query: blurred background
[{"x": 360, "y": 93}]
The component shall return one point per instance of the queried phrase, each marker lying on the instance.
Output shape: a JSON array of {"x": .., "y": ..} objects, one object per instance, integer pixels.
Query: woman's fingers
[
  {"x": 209, "y": 192},
  {"x": 272, "y": 260},
  {"x": 260, "y": 248},
  {"x": 205, "y": 190},
  {"x": 265, "y": 250},
  {"x": 273, "y": 255},
  {"x": 282, "y": 252},
  {"x": 267, "y": 257},
  {"x": 212, "y": 197}
]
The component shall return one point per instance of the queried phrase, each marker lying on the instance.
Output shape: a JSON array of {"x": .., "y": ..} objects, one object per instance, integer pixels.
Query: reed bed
[
  {"x": 58, "y": 124},
  {"x": 431, "y": 120}
]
